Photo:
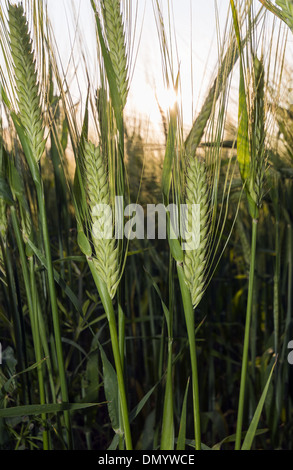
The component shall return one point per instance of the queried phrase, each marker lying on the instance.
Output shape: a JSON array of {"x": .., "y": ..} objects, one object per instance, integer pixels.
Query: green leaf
[
  {"x": 251, "y": 433},
  {"x": 243, "y": 151},
  {"x": 182, "y": 428},
  {"x": 5, "y": 192},
  {"x": 84, "y": 243},
  {"x": 111, "y": 391},
  {"x": 232, "y": 438},
  {"x": 169, "y": 157},
  {"x": 28, "y": 410},
  {"x": 135, "y": 412},
  {"x": 93, "y": 381},
  {"x": 79, "y": 195},
  {"x": 85, "y": 125},
  {"x": 167, "y": 438},
  {"x": 16, "y": 182},
  {"x": 174, "y": 244},
  {"x": 64, "y": 135}
]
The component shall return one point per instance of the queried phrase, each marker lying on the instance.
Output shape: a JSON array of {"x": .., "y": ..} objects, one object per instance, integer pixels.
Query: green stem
[
  {"x": 121, "y": 331},
  {"x": 167, "y": 439},
  {"x": 17, "y": 322},
  {"x": 121, "y": 339},
  {"x": 246, "y": 337},
  {"x": 33, "y": 317},
  {"x": 108, "y": 306},
  {"x": 189, "y": 318},
  {"x": 54, "y": 309}
]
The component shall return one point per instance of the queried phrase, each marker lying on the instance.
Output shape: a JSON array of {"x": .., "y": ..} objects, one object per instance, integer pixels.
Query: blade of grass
[
  {"x": 28, "y": 410},
  {"x": 252, "y": 430},
  {"x": 182, "y": 428}
]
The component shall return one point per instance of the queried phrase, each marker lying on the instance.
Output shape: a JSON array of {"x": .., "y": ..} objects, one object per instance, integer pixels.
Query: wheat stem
[
  {"x": 33, "y": 141},
  {"x": 33, "y": 318},
  {"x": 189, "y": 319},
  {"x": 246, "y": 336},
  {"x": 26, "y": 80}
]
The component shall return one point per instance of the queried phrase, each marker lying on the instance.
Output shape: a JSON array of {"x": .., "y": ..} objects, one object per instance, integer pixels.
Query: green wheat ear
[
  {"x": 28, "y": 96},
  {"x": 106, "y": 259},
  {"x": 287, "y": 11},
  {"x": 116, "y": 42},
  {"x": 259, "y": 133},
  {"x": 195, "y": 257}
]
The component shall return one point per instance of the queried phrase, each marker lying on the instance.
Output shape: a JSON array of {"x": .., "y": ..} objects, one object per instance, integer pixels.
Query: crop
[{"x": 110, "y": 340}]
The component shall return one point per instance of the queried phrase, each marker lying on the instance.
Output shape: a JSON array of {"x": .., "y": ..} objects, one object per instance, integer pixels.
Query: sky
[
  {"x": 196, "y": 50},
  {"x": 197, "y": 27}
]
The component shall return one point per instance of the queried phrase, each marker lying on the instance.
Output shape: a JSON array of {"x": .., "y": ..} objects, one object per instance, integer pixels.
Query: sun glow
[{"x": 167, "y": 98}]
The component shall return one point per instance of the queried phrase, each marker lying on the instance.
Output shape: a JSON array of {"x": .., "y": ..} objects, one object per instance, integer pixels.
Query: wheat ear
[
  {"x": 106, "y": 260},
  {"x": 258, "y": 131},
  {"x": 195, "y": 258},
  {"x": 116, "y": 42},
  {"x": 26, "y": 79}
]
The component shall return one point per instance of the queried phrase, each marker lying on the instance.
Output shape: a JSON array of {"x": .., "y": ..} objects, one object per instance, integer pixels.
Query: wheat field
[{"x": 146, "y": 285}]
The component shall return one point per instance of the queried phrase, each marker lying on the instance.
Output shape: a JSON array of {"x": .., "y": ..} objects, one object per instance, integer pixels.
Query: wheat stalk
[
  {"x": 3, "y": 218},
  {"x": 106, "y": 260},
  {"x": 114, "y": 29},
  {"x": 30, "y": 128},
  {"x": 195, "y": 258},
  {"x": 26, "y": 79},
  {"x": 3, "y": 228}
]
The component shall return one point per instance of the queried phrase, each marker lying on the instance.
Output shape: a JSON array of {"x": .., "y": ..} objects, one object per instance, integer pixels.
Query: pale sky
[
  {"x": 194, "y": 22},
  {"x": 197, "y": 26}
]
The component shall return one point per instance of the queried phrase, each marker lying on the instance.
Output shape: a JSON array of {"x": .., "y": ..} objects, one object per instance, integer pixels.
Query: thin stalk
[
  {"x": 277, "y": 283},
  {"x": 121, "y": 339},
  {"x": 17, "y": 322},
  {"x": 108, "y": 306},
  {"x": 167, "y": 439},
  {"x": 246, "y": 336},
  {"x": 159, "y": 400},
  {"x": 33, "y": 318},
  {"x": 54, "y": 309},
  {"x": 290, "y": 281},
  {"x": 42, "y": 327},
  {"x": 121, "y": 330},
  {"x": 189, "y": 318}
]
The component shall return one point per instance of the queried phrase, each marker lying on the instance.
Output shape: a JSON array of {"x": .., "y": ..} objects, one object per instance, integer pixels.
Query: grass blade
[
  {"x": 251, "y": 433},
  {"x": 182, "y": 428},
  {"x": 28, "y": 410}
]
